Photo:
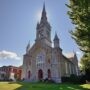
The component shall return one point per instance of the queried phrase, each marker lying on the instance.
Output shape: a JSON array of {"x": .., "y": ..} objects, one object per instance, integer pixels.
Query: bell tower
[{"x": 43, "y": 29}]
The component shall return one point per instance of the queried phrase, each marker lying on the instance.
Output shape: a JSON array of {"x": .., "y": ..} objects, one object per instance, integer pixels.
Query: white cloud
[
  {"x": 79, "y": 53},
  {"x": 9, "y": 55}
]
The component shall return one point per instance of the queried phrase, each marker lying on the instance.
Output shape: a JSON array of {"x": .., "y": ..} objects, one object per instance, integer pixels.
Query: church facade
[{"x": 42, "y": 61}]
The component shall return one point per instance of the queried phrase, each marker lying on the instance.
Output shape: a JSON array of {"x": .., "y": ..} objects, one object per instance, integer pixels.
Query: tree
[
  {"x": 80, "y": 15},
  {"x": 85, "y": 62}
]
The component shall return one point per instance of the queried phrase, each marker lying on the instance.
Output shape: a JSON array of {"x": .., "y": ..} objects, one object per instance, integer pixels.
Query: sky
[{"x": 18, "y": 20}]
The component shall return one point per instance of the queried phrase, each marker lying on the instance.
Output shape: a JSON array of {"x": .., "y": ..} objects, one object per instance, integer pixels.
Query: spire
[
  {"x": 43, "y": 29},
  {"x": 44, "y": 17},
  {"x": 56, "y": 41},
  {"x": 28, "y": 47},
  {"x": 44, "y": 8},
  {"x": 56, "y": 36},
  {"x": 74, "y": 53},
  {"x": 37, "y": 25}
]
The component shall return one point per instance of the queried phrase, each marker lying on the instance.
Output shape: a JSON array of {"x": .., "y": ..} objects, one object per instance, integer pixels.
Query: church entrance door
[
  {"x": 29, "y": 74},
  {"x": 49, "y": 74},
  {"x": 40, "y": 74}
]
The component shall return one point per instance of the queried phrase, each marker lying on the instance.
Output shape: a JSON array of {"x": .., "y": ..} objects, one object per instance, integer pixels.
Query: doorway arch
[
  {"x": 40, "y": 74},
  {"x": 49, "y": 73},
  {"x": 29, "y": 74}
]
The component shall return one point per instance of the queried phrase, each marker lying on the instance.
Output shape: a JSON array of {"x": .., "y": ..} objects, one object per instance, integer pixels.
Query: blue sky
[{"x": 18, "y": 19}]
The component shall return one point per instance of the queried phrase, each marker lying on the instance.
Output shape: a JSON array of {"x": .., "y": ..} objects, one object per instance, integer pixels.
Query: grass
[{"x": 41, "y": 86}]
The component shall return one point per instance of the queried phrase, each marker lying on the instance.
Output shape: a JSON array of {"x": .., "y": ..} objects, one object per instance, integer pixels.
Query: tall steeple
[
  {"x": 43, "y": 29},
  {"x": 44, "y": 16},
  {"x": 56, "y": 36},
  {"x": 28, "y": 47},
  {"x": 56, "y": 41}
]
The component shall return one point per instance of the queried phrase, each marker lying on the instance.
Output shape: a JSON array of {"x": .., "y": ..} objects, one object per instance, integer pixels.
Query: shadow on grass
[{"x": 48, "y": 86}]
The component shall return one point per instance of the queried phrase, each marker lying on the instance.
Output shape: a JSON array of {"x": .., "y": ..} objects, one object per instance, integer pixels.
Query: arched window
[
  {"x": 49, "y": 61},
  {"x": 40, "y": 74},
  {"x": 40, "y": 59},
  {"x": 29, "y": 62},
  {"x": 49, "y": 73}
]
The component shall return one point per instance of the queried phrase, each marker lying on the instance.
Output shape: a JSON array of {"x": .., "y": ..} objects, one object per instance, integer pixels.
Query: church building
[{"x": 42, "y": 61}]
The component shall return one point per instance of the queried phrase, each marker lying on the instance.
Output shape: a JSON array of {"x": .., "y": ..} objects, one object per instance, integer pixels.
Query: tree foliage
[
  {"x": 85, "y": 62},
  {"x": 79, "y": 13}
]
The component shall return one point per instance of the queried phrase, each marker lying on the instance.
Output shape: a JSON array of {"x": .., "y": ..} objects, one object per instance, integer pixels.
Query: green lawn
[{"x": 41, "y": 86}]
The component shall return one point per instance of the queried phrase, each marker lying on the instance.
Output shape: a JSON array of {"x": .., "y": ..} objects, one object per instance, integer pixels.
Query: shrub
[
  {"x": 47, "y": 80},
  {"x": 74, "y": 79},
  {"x": 65, "y": 79}
]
